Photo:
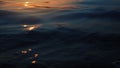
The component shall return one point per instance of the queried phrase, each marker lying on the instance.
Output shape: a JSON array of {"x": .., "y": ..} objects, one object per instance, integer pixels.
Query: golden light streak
[
  {"x": 36, "y": 55},
  {"x": 24, "y": 52},
  {"x": 33, "y": 62},
  {"x": 25, "y": 25},
  {"x": 31, "y": 28},
  {"x": 26, "y": 4}
]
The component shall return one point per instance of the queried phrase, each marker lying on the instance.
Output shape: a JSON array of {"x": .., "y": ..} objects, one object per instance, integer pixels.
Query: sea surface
[{"x": 60, "y": 34}]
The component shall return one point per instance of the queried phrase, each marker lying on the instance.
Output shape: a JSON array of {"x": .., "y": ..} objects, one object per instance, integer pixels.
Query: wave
[
  {"x": 63, "y": 46},
  {"x": 111, "y": 15},
  {"x": 64, "y": 35}
]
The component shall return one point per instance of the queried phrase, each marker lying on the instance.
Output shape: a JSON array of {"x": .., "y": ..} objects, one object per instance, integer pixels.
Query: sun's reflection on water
[
  {"x": 33, "y": 62},
  {"x": 31, "y": 27}
]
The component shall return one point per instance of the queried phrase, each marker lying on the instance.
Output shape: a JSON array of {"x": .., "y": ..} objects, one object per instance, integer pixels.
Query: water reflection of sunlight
[
  {"x": 28, "y": 5},
  {"x": 32, "y": 55},
  {"x": 33, "y": 62},
  {"x": 31, "y": 27},
  {"x": 36, "y": 55},
  {"x": 25, "y": 25},
  {"x": 24, "y": 52},
  {"x": 30, "y": 49},
  {"x": 36, "y": 4}
]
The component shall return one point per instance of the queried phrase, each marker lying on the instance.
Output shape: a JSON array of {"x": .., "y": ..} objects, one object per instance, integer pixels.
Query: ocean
[{"x": 60, "y": 34}]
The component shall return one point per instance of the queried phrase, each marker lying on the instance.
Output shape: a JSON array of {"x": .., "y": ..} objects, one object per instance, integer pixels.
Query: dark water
[{"x": 84, "y": 34}]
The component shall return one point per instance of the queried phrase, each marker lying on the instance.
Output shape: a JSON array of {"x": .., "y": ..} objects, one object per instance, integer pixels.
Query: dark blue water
[{"x": 81, "y": 33}]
